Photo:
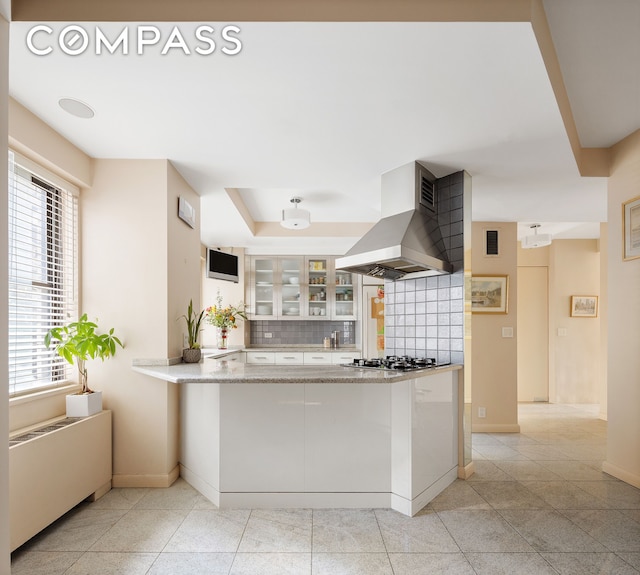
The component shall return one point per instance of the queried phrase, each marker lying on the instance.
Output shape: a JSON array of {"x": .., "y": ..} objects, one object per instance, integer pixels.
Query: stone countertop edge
[{"x": 237, "y": 373}]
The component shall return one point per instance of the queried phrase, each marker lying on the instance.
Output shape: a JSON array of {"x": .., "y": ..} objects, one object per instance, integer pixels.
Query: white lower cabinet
[
  {"x": 260, "y": 357},
  {"x": 338, "y": 357},
  {"x": 317, "y": 358},
  {"x": 289, "y": 357},
  {"x": 259, "y": 452},
  {"x": 347, "y": 438}
]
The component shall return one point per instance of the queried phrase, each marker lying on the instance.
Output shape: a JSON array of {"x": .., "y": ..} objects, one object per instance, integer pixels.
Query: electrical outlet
[
  {"x": 267, "y": 335},
  {"x": 482, "y": 412}
]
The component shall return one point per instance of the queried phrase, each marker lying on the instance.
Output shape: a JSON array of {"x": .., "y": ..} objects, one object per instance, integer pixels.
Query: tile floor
[{"x": 537, "y": 505}]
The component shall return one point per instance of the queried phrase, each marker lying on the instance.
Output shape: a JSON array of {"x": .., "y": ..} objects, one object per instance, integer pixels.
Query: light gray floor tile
[
  {"x": 202, "y": 502},
  {"x": 346, "y": 530},
  {"x": 212, "y": 531},
  {"x": 430, "y": 564},
  {"x": 423, "y": 533},
  {"x": 92, "y": 563},
  {"x": 272, "y": 564},
  {"x": 284, "y": 530},
  {"x": 479, "y": 439},
  {"x": 509, "y": 495},
  {"x": 351, "y": 564},
  {"x": 498, "y": 452},
  {"x": 179, "y": 496},
  {"x": 141, "y": 530},
  {"x": 564, "y": 495},
  {"x": 120, "y": 498},
  {"x": 459, "y": 495},
  {"x": 551, "y": 531},
  {"x": 483, "y": 531},
  {"x": 538, "y": 452},
  {"x": 42, "y": 562},
  {"x": 78, "y": 530},
  {"x": 589, "y": 564},
  {"x": 192, "y": 564},
  {"x": 613, "y": 529},
  {"x": 575, "y": 470},
  {"x": 527, "y": 471},
  {"x": 509, "y": 564},
  {"x": 488, "y": 471},
  {"x": 632, "y": 559},
  {"x": 512, "y": 439},
  {"x": 616, "y": 494}
]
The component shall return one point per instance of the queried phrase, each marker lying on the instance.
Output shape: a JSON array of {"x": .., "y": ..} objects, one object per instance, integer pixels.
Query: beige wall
[
  {"x": 574, "y": 358},
  {"x": 604, "y": 318},
  {"x": 623, "y": 395},
  {"x": 232, "y": 294},
  {"x": 494, "y": 358},
  {"x": 138, "y": 286},
  {"x": 4, "y": 397}
]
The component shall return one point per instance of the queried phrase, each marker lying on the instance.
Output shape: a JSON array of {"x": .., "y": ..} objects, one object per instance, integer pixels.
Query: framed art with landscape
[
  {"x": 631, "y": 229},
  {"x": 489, "y": 294},
  {"x": 584, "y": 306}
]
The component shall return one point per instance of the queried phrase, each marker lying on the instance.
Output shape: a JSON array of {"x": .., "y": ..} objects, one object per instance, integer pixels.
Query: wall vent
[
  {"x": 491, "y": 243},
  {"x": 427, "y": 192}
]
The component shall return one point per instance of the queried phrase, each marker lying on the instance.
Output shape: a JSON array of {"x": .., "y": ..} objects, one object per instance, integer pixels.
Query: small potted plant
[
  {"x": 79, "y": 341},
  {"x": 193, "y": 353}
]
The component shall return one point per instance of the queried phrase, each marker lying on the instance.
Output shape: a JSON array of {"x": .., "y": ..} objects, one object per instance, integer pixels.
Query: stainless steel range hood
[{"x": 407, "y": 241}]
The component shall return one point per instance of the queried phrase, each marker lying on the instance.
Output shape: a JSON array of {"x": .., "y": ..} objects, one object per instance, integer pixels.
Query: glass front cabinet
[{"x": 299, "y": 287}]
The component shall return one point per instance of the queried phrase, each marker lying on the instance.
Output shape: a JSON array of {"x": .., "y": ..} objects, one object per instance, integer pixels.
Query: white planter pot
[{"x": 84, "y": 405}]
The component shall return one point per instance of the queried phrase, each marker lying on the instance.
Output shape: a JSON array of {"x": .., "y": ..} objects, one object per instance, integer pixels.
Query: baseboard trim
[
  {"x": 621, "y": 474},
  {"x": 464, "y": 472},
  {"x": 166, "y": 480},
  {"x": 495, "y": 428}
]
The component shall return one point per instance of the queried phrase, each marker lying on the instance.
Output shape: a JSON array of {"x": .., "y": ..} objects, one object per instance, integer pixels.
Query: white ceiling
[{"x": 321, "y": 110}]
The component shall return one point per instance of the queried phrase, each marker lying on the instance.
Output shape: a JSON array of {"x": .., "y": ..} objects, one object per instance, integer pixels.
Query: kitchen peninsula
[{"x": 315, "y": 436}]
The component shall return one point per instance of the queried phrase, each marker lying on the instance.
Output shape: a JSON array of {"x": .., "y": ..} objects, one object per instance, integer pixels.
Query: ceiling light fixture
[
  {"x": 295, "y": 219},
  {"x": 76, "y": 108},
  {"x": 536, "y": 240}
]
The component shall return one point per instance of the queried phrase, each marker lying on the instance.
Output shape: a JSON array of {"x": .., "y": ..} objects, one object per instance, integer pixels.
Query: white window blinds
[{"x": 43, "y": 272}]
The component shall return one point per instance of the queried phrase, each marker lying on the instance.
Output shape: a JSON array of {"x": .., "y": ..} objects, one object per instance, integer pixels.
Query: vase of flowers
[{"x": 224, "y": 318}]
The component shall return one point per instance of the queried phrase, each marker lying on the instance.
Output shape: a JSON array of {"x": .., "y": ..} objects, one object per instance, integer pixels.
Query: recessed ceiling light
[{"x": 76, "y": 108}]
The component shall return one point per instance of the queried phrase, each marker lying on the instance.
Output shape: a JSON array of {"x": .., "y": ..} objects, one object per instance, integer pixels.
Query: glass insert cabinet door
[
  {"x": 291, "y": 278},
  {"x": 345, "y": 301},
  {"x": 264, "y": 276},
  {"x": 317, "y": 296}
]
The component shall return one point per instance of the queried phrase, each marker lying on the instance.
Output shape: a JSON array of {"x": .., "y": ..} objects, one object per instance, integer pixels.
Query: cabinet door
[
  {"x": 260, "y": 357},
  {"x": 263, "y": 283},
  {"x": 318, "y": 286},
  {"x": 345, "y": 300},
  {"x": 291, "y": 280},
  {"x": 317, "y": 358}
]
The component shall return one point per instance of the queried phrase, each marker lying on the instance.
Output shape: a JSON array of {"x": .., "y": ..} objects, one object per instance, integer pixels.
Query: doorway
[{"x": 533, "y": 334}]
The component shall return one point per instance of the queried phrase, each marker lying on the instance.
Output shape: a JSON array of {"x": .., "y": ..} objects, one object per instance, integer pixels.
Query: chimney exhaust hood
[{"x": 407, "y": 242}]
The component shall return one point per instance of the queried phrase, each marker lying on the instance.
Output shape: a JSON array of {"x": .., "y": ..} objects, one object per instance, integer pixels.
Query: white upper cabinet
[{"x": 300, "y": 287}]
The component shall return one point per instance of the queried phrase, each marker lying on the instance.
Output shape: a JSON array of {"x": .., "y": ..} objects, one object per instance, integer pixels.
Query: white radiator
[{"x": 53, "y": 468}]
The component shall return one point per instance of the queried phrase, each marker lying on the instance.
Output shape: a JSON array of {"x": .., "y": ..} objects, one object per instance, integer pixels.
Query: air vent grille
[
  {"x": 491, "y": 243},
  {"x": 427, "y": 193}
]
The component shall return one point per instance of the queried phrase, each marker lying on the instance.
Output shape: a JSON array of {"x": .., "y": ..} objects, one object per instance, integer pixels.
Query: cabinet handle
[
  {"x": 316, "y": 357},
  {"x": 288, "y": 357}
]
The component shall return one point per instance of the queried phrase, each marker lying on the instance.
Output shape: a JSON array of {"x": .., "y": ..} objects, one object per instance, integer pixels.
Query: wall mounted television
[{"x": 222, "y": 266}]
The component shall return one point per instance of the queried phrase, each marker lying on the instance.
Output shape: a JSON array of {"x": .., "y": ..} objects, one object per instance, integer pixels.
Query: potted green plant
[
  {"x": 193, "y": 353},
  {"x": 79, "y": 341}
]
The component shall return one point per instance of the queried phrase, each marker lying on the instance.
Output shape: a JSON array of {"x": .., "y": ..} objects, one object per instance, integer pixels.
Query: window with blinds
[{"x": 43, "y": 272}]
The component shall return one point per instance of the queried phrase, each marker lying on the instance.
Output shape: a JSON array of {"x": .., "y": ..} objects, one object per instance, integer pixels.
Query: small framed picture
[
  {"x": 489, "y": 294},
  {"x": 186, "y": 212},
  {"x": 584, "y": 306},
  {"x": 631, "y": 229}
]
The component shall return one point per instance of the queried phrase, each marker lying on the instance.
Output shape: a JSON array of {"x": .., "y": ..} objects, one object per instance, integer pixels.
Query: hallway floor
[{"x": 538, "y": 504}]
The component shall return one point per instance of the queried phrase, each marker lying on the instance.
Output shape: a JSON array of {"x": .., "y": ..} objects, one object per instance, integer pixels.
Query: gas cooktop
[{"x": 395, "y": 363}]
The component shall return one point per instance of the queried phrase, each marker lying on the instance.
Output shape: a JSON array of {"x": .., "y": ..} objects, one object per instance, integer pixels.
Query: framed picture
[
  {"x": 186, "y": 212},
  {"x": 584, "y": 306},
  {"x": 631, "y": 229},
  {"x": 489, "y": 294}
]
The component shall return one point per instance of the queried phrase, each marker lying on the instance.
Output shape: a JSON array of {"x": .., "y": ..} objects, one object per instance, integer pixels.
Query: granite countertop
[{"x": 221, "y": 371}]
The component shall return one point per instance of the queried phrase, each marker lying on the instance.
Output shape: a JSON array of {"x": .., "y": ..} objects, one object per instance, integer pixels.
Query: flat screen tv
[{"x": 222, "y": 266}]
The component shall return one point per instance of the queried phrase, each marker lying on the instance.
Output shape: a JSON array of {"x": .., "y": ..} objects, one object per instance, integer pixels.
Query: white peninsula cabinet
[
  {"x": 319, "y": 437},
  {"x": 299, "y": 287}
]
